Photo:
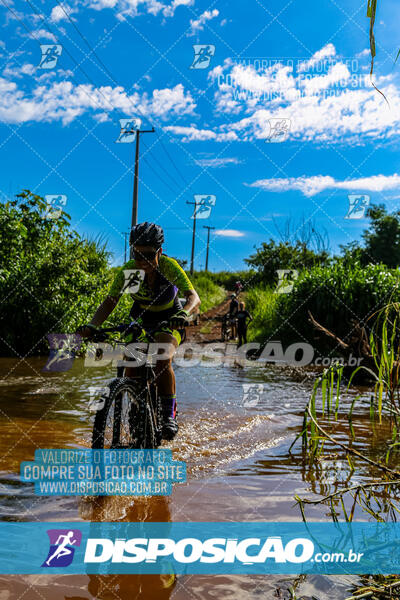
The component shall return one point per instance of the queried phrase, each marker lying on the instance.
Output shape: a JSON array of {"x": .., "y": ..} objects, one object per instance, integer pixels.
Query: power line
[
  {"x": 114, "y": 81},
  {"x": 110, "y": 75},
  {"x": 172, "y": 161},
  {"x": 66, "y": 50},
  {"x": 104, "y": 67},
  {"x": 158, "y": 175},
  {"x": 161, "y": 165},
  {"x": 93, "y": 51}
]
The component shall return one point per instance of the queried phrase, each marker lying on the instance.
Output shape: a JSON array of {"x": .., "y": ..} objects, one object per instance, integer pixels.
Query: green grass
[
  {"x": 210, "y": 293},
  {"x": 263, "y": 305}
]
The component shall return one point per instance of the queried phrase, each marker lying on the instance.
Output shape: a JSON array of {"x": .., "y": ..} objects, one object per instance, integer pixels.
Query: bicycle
[
  {"x": 130, "y": 415},
  {"x": 226, "y": 328}
]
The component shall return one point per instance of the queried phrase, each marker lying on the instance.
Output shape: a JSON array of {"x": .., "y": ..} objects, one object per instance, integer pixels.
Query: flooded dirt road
[{"x": 238, "y": 469}]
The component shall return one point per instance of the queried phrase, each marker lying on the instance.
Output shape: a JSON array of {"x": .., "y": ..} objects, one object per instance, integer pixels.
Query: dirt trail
[{"x": 209, "y": 329}]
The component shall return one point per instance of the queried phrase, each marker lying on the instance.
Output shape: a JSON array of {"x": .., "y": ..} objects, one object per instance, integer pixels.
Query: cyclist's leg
[
  {"x": 166, "y": 382},
  {"x": 240, "y": 339}
]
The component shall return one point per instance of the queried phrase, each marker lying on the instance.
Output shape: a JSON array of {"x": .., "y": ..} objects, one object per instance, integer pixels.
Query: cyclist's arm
[
  {"x": 111, "y": 301},
  {"x": 177, "y": 275},
  {"x": 192, "y": 300},
  {"x": 104, "y": 310}
]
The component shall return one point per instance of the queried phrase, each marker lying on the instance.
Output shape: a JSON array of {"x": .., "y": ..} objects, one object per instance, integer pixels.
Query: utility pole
[
  {"x": 194, "y": 235},
  {"x": 208, "y": 242},
  {"x": 125, "y": 234},
  {"x": 136, "y": 176}
]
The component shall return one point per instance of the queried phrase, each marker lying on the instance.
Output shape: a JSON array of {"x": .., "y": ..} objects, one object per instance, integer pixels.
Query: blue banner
[{"x": 202, "y": 548}]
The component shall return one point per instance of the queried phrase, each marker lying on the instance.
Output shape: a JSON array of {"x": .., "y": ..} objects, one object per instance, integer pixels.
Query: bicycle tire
[
  {"x": 223, "y": 333},
  {"x": 136, "y": 402}
]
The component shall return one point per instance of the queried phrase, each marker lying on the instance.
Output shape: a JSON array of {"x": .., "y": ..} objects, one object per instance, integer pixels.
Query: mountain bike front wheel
[{"x": 118, "y": 424}]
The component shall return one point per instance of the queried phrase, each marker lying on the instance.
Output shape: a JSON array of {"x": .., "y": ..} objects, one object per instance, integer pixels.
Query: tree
[
  {"x": 51, "y": 279},
  {"x": 301, "y": 246},
  {"x": 382, "y": 240},
  {"x": 272, "y": 256}
]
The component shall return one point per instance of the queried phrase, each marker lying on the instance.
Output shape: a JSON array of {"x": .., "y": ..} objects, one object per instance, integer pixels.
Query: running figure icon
[{"x": 62, "y": 547}]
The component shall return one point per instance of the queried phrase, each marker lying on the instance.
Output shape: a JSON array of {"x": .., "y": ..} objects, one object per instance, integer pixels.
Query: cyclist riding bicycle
[
  {"x": 233, "y": 309},
  {"x": 155, "y": 300},
  {"x": 238, "y": 287}
]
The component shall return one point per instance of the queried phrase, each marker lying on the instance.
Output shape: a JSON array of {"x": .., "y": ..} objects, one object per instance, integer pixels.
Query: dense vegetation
[
  {"x": 337, "y": 291},
  {"x": 209, "y": 291},
  {"x": 52, "y": 279}
]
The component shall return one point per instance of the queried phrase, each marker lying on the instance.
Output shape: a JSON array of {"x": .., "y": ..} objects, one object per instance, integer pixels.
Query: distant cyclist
[
  {"x": 155, "y": 300},
  {"x": 238, "y": 287},
  {"x": 243, "y": 318},
  {"x": 233, "y": 309}
]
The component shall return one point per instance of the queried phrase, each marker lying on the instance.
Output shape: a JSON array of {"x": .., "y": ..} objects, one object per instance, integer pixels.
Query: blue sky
[{"x": 303, "y": 64}]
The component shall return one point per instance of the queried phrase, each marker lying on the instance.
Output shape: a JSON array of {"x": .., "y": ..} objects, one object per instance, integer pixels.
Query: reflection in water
[
  {"x": 141, "y": 510},
  {"x": 238, "y": 469}
]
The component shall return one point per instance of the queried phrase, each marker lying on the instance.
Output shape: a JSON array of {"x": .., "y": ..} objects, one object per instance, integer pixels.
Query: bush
[
  {"x": 227, "y": 279},
  {"x": 272, "y": 256},
  {"x": 210, "y": 293},
  {"x": 263, "y": 305},
  {"x": 51, "y": 280},
  {"x": 335, "y": 295}
]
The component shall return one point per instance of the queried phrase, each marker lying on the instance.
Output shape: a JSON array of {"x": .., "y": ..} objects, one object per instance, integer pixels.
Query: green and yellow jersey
[{"x": 163, "y": 298}]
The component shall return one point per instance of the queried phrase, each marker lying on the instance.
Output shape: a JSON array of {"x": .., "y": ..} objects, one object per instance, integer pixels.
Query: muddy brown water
[{"x": 238, "y": 469}]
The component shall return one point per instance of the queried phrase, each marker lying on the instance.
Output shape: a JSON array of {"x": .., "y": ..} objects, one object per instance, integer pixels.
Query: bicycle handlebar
[{"x": 130, "y": 328}]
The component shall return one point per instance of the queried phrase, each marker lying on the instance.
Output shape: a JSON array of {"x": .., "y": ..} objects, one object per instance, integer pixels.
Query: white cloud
[
  {"x": 64, "y": 101},
  {"x": 337, "y": 73},
  {"x": 191, "y": 134},
  {"x": 58, "y": 14},
  {"x": 19, "y": 70},
  {"x": 327, "y": 51},
  {"x": 365, "y": 52},
  {"x": 41, "y": 33},
  {"x": 198, "y": 24},
  {"x": 169, "y": 11},
  {"x": 330, "y": 104},
  {"x": 215, "y": 163},
  {"x": 133, "y": 7},
  {"x": 310, "y": 186},
  {"x": 170, "y": 101},
  {"x": 233, "y": 233}
]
